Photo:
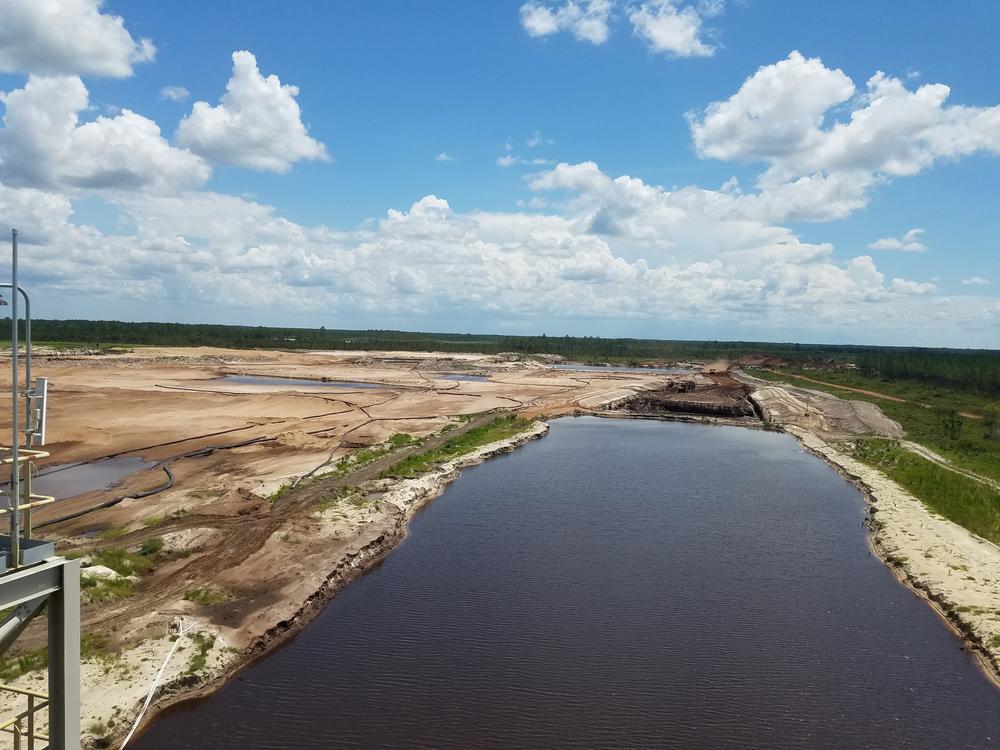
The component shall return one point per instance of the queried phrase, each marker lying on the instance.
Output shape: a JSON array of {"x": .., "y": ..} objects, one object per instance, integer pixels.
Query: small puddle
[
  {"x": 464, "y": 378},
  {"x": 66, "y": 480},
  {"x": 294, "y": 382}
]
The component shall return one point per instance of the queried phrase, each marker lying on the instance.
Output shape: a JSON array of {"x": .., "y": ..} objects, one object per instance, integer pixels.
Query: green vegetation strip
[
  {"x": 969, "y": 443},
  {"x": 501, "y": 428},
  {"x": 91, "y": 646},
  {"x": 125, "y": 564},
  {"x": 964, "y": 501},
  {"x": 367, "y": 455},
  {"x": 202, "y": 645}
]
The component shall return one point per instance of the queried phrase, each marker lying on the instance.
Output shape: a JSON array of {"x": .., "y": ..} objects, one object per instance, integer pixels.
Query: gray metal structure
[{"x": 31, "y": 576}]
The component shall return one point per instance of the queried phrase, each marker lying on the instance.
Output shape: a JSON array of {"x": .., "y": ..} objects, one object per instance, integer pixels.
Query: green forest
[{"x": 972, "y": 371}]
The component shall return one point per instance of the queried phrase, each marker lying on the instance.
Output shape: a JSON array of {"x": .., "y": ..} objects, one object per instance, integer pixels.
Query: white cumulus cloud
[
  {"x": 537, "y": 139},
  {"x": 44, "y": 144},
  {"x": 587, "y": 20},
  {"x": 174, "y": 93},
  {"x": 257, "y": 123},
  {"x": 908, "y": 243},
  {"x": 669, "y": 27},
  {"x": 976, "y": 281},
  {"x": 786, "y": 116},
  {"x": 616, "y": 248},
  {"x": 444, "y": 156},
  {"x": 67, "y": 37},
  {"x": 510, "y": 160}
]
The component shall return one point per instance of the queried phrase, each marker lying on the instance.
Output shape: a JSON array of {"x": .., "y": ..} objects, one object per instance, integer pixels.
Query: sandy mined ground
[
  {"x": 955, "y": 570},
  {"x": 239, "y": 557}
]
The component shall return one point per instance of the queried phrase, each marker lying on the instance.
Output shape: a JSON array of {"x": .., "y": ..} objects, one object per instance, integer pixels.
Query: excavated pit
[{"x": 724, "y": 397}]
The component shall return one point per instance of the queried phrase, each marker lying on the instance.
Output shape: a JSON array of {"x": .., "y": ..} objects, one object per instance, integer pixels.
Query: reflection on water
[
  {"x": 65, "y": 481},
  {"x": 618, "y": 584}
]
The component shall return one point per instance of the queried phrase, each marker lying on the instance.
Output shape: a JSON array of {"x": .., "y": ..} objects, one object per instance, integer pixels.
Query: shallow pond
[
  {"x": 63, "y": 481},
  {"x": 293, "y": 383},
  {"x": 464, "y": 378}
]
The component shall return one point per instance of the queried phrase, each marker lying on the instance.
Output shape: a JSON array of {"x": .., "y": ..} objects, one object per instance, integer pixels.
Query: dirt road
[{"x": 862, "y": 391}]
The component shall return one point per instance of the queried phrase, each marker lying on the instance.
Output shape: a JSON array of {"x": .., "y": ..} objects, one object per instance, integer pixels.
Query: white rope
[{"x": 181, "y": 632}]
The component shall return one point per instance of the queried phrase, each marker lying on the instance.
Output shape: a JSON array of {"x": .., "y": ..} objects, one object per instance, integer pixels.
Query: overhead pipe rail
[{"x": 32, "y": 577}]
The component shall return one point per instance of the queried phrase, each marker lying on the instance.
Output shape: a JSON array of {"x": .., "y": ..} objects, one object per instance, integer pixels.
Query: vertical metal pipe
[
  {"x": 15, "y": 469},
  {"x": 28, "y": 417},
  {"x": 27, "y": 329},
  {"x": 26, "y": 491},
  {"x": 64, "y": 660},
  {"x": 31, "y": 722},
  {"x": 27, "y": 336}
]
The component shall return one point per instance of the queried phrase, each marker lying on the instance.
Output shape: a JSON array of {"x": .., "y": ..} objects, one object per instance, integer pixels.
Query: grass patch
[
  {"x": 366, "y": 455},
  {"x": 279, "y": 493},
  {"x": 93, "y": 645},
  {"x": 206, "y": 595},
  {"x": 502, "y": 427},
  {"x": 175, "y": 515},
  {"x": 122, "y": 561},
  {"x": 103, "y": 589},
  {"x": 12, "y": 667},
  {"x": 115, "y": 532},
  {"x": 151, "y": 546},
  {"x": 101, "y": 732},
  {"x": 202, "y": 645},
  {"x": 401, "y": 440},
  {"x": 931, "y": 416},
  {"x": 964, "y": 501},
  {"x": 334, "y": 500}
]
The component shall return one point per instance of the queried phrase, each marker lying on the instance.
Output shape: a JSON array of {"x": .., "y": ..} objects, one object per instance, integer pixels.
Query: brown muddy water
[{"x": 618, "y": 584}]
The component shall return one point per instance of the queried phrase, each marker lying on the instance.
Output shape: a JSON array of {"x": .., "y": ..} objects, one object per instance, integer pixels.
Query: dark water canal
[{"x": 618, "y": 584}]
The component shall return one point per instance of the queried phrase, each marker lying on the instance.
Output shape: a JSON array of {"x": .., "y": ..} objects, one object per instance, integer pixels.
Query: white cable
[{"x": 181, "y": 632}]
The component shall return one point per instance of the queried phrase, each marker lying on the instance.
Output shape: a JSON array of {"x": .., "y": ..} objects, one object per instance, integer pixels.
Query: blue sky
[{"x": 202, "y": 224}]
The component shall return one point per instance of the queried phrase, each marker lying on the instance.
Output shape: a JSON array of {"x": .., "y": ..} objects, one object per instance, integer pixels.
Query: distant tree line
[
  {"x": 971, "y": 371},
  {"x": 975, "y": 371}
]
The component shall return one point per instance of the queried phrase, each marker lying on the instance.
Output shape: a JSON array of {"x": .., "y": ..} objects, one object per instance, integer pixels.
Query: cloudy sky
[{"x": 732, "y": 169}]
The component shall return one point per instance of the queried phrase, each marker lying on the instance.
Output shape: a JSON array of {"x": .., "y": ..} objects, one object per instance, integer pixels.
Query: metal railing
[
  {"x": 28, "y": 499},
  {"x": 24, "y": 725}
]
